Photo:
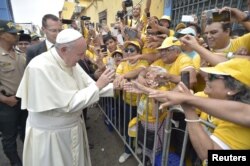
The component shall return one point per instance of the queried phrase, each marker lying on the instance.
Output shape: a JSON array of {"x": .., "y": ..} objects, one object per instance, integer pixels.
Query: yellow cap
[
  {"x": 117, "y": 51},
  {"x": 237, "y": 68},
  {"x": 132, "y": 132},
  {"x": 134, "y": 42},
  {"x": 164, "y": 17},
  {"x": 170, "y": 41}
]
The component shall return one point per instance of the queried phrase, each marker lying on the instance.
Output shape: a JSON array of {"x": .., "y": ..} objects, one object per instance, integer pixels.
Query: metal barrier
[
  {"x": 115, "y": 113},
  {"x": 187, "y": 7}
]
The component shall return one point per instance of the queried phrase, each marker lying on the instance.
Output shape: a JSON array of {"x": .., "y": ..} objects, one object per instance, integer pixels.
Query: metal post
[
  {"x": 167, "y": 136},
  {"x": 156, "y": 106},
  {"x": 184, "y": 146}
]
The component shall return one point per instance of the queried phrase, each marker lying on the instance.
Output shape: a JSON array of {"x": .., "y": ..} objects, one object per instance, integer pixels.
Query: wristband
[
  {"x": 193, "y": 120},
  {"x": 230, "y": 55}
]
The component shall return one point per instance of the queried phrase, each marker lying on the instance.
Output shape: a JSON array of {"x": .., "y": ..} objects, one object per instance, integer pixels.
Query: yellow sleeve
[
  {"x": 197, "y": 61},
  {"x": 240, "y": 42},
  {"x": 120, "y": 68},
  {"x": 235, "y": 136},
  {"x": 185, "y": 62},
  {"x": 142, "y": 63},
  {"x": 171, "y": 32},
  {"x": 144, "y": 19},
  {"x": 159, "y": 63}
]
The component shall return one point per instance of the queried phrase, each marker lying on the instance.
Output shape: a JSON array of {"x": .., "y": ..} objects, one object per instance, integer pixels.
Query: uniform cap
[{"x": 8, "y": 26}]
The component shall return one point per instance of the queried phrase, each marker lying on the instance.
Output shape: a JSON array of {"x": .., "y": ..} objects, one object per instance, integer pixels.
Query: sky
[{"x": 32, "y": 11}]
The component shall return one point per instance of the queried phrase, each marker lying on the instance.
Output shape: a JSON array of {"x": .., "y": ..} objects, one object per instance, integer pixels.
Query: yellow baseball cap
[
  {"x": 165, "y": 17},
  {"x": 237, "y": 68},
  {"x": 133, "y": 42},
  {"x": 169, "y": 42},
  {"x": 117, "y": 51}
]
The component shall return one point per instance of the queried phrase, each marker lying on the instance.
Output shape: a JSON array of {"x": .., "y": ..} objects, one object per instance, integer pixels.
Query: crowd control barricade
[{"x": 116, "y": 111}]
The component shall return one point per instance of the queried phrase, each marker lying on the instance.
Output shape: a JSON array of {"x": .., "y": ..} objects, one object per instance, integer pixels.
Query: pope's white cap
[{"x": 68, "y": 35}]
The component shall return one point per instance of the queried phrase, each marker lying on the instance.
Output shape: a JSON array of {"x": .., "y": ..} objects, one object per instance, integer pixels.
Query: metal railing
[
  {"x": 187, "y": 7},
  {"x": 115, "y": 109}
]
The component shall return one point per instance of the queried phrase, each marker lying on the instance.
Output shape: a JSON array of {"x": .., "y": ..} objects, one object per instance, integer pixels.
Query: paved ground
[{"x": 107, "y": 145}]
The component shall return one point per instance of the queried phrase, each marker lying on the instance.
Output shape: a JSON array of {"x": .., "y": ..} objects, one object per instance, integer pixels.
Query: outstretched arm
[{"x": 235, "y": 112}]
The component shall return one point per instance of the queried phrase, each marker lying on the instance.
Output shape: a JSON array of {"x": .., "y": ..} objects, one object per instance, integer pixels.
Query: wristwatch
[{"x": 230, "y": 55}]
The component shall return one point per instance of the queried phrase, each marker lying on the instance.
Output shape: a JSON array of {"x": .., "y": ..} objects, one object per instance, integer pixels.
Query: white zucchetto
[{"x": 68, "y": 35}]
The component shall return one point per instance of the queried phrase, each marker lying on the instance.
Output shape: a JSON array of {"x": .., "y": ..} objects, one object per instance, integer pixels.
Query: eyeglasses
[
  {"x": 54, "y": 30},
  {"x": 131, "y": 50},
  {"x": 212, "y": 77}
]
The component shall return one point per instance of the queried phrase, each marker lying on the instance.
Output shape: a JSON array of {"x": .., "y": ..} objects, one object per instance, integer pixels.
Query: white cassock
[{"x": 55, "y": 95}]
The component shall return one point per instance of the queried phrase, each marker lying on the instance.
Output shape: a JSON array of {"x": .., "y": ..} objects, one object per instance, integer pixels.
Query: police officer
[{"x": 12, "y": 65}]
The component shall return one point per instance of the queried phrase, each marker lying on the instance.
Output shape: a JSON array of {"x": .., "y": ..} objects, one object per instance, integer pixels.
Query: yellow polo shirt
[
  {"x": 143, "y": 107},
  {"x": 182, "y": 62},
  {"x": 125, "y": 67}
]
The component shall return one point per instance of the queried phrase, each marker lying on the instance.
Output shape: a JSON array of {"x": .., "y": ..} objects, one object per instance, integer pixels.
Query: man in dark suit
[{"x": 51, "y": 26}]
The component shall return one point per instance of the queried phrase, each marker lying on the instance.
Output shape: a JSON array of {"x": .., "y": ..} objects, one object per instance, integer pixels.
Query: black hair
[
  {"x": 225, "y": 25},
  {"x": 243, "y": 94},
  {"x": 197, "y": 27},
  {"x": 108, "y": 37},
  {"x": 24, "y": 37}
]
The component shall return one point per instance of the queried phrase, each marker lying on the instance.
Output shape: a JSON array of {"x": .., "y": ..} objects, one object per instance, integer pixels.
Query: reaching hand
[
  {"x": 119, "y": 81},
  {"x": 179, "y": 96},
  {"x": 190, "y": 41},
  {"x": 242, "y": 51},
  {"x": 107, "y": 77},
  {"x": 129, "y": 87}
]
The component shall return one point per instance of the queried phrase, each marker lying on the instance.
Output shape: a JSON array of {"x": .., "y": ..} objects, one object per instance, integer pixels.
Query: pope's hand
[{"x": 107, "y": 76}]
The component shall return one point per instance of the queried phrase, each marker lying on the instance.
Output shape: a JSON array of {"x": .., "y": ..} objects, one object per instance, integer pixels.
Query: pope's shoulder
[{"x": 43, "y": 60}]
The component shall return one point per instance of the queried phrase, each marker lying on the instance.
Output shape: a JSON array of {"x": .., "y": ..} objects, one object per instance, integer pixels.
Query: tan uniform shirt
[{"x": 11, "y": 71}]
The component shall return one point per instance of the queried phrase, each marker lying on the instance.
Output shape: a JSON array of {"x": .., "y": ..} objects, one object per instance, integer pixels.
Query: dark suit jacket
[
  {"x": 35, "y": 50},
  {"x": 87, "y": 66}
]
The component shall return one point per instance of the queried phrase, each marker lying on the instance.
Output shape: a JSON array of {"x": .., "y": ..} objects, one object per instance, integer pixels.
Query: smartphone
[
  {"x": 103, "y": 48},
  {"x": 148, "y": 14},
  {"x": 65, "y": 21},
  {"x": 223, "y": 16},
  {"x": 185, "y": 78}
]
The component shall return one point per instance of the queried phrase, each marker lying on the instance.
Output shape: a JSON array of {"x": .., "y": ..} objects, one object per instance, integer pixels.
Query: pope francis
[{"x": 54, "y": 89}]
